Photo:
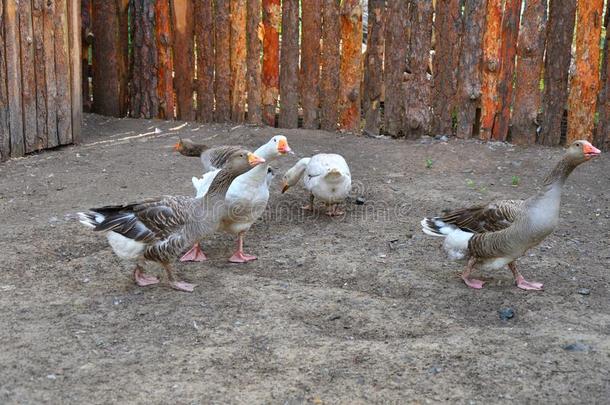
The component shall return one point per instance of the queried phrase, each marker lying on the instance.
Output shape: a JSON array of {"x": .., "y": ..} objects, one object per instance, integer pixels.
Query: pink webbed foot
[
  {"x": 307, "y": 207},
  {"x": 241, "y": 257},
  {"x": 334, "y": 212},
  {"x": 142, "y": 279},
  {"x": 473, "y": 283},
  {"x": 528, "y": 285},
  {"x": 182, "y": 286},
  {"x": 194, "y": 255}
]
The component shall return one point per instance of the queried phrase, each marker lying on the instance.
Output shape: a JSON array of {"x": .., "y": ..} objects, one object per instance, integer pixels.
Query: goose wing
[{"x": 487, "y": 218}]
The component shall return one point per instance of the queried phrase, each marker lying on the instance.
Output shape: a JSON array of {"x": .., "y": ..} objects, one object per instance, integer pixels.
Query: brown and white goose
[
  {"x": 160, "y": 229},
  {"x": 495, "y": 235},
  {"x": 212, "y": 158}
]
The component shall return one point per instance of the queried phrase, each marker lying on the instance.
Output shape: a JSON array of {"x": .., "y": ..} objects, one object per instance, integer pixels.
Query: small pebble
[
  {"x": 577, "y": 347},
  {"x": 51, "y": 376},
  {"x": 584, "y": 291},
  {"x": 360, "y": 201},
  {"x": 435, "y": 370},
  {"x": 506, "y": 313}
]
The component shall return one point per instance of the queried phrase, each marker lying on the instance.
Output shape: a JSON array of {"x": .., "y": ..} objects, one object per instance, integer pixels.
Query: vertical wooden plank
[
  {"x": 62, "y": 70},
  {"x": 255, "y": 35},
  {"x": 13, "y": 78},
  {"x": 165, "y": 66},
  {"x": 556, "y": 67},
  {"x": 74, "y": 17},
  {"x": 39, "y": 69},
  {"x": 289, "y": 65},
  {"x": 310, "y": 62},
  {"x": 417, "y": 86},
  {"x": 330, "y": 63},
  {"x": 272, "y": 14},
  {"x": 5, "y": 140},
  {"x": 396, "y": 45},
  {"x": 109, "y": 60},
  {"x": 50, "y": 76},
  {"x": 491, "y": 67},
  {"x": 602, "y": 132},
  {"x": 469, "y": 80},
  {"x": 373, "y": 66},
  {"x": 86, "y": 41},
  {"x": 585, "y": 82},
  {"x": 508, "y": 51},
  {"x": 204, "y": 36},
  {"x": 447, "y": 31},
  {"x": 184, "y": 68},
  {"x": 144, "y": 99},
  {"x": 238, "y": 60},
  {"x": 28, "y": 75},
  {"x": 351, "y": 65},
  {"x": 530, "y": 52},
  {"x": 222, "y": 83}
]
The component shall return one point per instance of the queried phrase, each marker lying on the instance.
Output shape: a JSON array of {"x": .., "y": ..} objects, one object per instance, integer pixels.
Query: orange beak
[
  {"x": 590, "y": 150},
  {"x": 283, "y": 147},
  {"x": 178, "y": 146},
  {"x": 255, "y": 160},
  {"x": 286, "y": 186}
]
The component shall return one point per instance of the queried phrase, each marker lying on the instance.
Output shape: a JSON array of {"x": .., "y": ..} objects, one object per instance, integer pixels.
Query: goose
[
  {"x": 246, "y": 198},
  {"x": 492, "y": 236},
  {"x": 159, "y": 229},
  {"x": 326, "y": 176},
  {"x": 212, "y": 158}
]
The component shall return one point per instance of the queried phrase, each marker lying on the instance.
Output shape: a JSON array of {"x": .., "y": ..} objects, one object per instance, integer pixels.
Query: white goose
[
  {"x": 326, "y": 176},
  {"x": 246, "y": 198}
]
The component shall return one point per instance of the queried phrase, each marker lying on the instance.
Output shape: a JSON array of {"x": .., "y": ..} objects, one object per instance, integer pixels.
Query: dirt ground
[{"x": 361, "y": 309}]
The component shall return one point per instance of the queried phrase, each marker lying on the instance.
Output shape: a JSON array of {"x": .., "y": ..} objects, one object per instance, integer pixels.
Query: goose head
[
  {"x": 276, "y": 147},
  {"x": 580, "y": 151}
]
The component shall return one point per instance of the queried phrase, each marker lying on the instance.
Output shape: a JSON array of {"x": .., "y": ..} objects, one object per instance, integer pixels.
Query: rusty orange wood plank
[
  {"x": 13, "y": 78},
  {"x": 76, "y": 96},
  {"x": 144, "y": 100},
  {"x": 310, "y": 62},
  {"x": 222, "y": 61},
  {"x": 204, "y": 36},
  {"x": 28, "y": 76},
  {"x": 86, "y": 42},
  {"x": 253, "y": 61},
  {"x": 556, "y": 69},
  {"x": 530, "y": 52},
  {"x": 184, "y": 67},
  {"x": 491, "y": 67},
  {"x": 289, "y": 65},
  {"x": 272, "y": 15},
  {"x": 508, "y": 50},
  {"x": 585, "y": 82},
  {"x": 238, "y": 60},
  {"x": 350, "y": 66},
  {"x": 373, "y": 66},
  {"x": 165, "y": 66}
]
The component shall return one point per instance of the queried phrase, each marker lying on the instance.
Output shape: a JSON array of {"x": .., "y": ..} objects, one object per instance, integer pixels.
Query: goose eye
[{"x": 578, "y": 144}]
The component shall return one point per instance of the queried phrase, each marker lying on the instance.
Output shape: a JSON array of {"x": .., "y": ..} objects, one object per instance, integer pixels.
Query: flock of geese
[{"x": 234, "y": 191}]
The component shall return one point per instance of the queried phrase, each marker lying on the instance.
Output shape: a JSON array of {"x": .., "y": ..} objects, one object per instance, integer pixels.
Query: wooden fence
[
  {"x": 514, "y": 70},
  {"x": 40, "y": 78}
]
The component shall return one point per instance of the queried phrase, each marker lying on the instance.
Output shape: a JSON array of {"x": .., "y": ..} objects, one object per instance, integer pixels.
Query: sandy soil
[{"x": 363, "y": 309}]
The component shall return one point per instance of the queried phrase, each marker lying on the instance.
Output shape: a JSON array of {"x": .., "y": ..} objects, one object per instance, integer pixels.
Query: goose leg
[
  {"x": 334, "y": 211},
  {"x": 194, "y": 255},
  {"x": 177, "y": 284},
  {"x": 239, "y": 256},
  {"x": 471, "y": 282},
  {"x": 309, "y": 207},
  {"x": 142, "y": 279},
  {"x": 522, "y": 283}
]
